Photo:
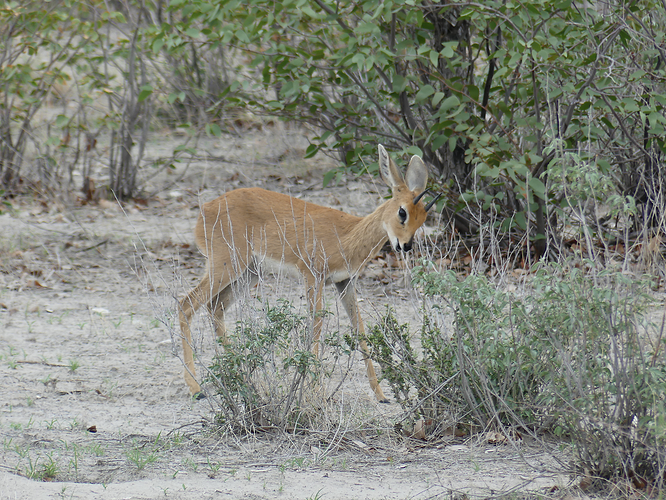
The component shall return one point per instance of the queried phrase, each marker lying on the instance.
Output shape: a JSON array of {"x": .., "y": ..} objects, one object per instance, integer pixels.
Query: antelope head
[{"x": 404, "y": 213}]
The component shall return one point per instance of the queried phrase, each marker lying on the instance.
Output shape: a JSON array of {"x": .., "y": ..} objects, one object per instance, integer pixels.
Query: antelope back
[
  {"x": 310, "y": 239},
  {"x": 276, "y": 230}
]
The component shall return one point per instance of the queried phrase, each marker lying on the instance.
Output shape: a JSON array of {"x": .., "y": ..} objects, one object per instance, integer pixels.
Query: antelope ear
[
  {"x": 387, "y": 169},
  {"x": 417, "y": 175}
]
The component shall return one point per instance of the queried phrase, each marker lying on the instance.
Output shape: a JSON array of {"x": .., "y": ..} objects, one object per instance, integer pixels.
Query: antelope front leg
[
  {"x": 225, "y": 297},
  {"x": 370, "y": 369},
  {"x": 348, "y": 298}
]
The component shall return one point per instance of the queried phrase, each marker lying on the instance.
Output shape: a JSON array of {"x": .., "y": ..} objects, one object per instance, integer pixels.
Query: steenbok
[{"x": 246, "y": 230}]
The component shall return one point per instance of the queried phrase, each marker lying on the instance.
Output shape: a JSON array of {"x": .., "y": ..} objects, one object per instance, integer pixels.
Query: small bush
[
  {"x": 571, "y": 355},
  {"x": 264, "y": 372}
]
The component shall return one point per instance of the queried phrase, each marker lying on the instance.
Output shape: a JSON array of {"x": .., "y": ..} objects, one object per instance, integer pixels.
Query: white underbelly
[
  {"x": 281, "y": 268},
  {"x": 277, "y": 267}
]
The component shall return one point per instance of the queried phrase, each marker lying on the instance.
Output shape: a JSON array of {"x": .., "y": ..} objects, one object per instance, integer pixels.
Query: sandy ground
[{"x": 92, "y": 401}]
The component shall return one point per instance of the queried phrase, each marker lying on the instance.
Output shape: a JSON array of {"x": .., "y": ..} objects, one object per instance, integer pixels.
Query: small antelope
[{"x": 248, "y": 229}]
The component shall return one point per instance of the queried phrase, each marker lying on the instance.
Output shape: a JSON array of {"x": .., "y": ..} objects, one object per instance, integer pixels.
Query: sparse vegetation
[
  {"x": 264, "y": 374},
  {"x": 570, "y": 353},
  {"x": 544, "y": 122},
  {"x": 142, "y": 455}
]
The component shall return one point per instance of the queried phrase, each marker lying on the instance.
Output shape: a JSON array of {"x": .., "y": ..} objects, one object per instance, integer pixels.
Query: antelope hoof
[
  {"x": 385, "y": 401},
  {"x": 201, "y": 395}
]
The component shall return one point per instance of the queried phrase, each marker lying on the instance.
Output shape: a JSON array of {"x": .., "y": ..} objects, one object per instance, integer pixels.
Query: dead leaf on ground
[
  {"x": 33, "y": 284},
  {"x": 586, "y": 482},
  {"x": 455, "y": 431},
  {"x": 108, "y": 205},
  {"x": 419, "y": 430},
  {"x": 393, "y": 261},
  {"x": 374, "y": 273},
  {"x": 443, "y": 263},
  {"x": 637, "y": 481},
  {"x": 497, "y": 438}
]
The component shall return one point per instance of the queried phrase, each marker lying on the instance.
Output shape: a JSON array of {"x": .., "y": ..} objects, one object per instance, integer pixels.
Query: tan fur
[{"x": 246, "y": 229}]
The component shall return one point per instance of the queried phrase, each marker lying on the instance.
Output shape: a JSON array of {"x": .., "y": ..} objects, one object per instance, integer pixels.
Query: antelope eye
[{"x": 402, "y": 214}]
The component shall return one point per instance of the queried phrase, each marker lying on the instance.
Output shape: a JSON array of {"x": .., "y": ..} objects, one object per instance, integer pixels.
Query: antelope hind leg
[{"x": 187, "y": 307}]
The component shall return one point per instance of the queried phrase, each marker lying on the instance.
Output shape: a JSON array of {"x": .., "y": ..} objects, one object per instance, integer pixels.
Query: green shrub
[
  {"x": 569, "y": 354},
  {"x": 496, "y": 96},
  {"x": 262, "y": 375}
]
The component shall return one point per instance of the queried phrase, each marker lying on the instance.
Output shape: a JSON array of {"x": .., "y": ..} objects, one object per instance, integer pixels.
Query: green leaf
[
  {"x": 308, "y": 11},
  {"x": 520, "y": 220},
  {"x": 434, "y": 58},
  {"x": 449, "y": 50},
  {"x": 414, "y": 150},
  {"x": 473, "y": 92},
  {"x": 637, "y": 75},
  {"x": 660, "y": 99},
  {"x": 145, "y": 92},
  {"x": 399, "y": 83},
  {"x": 604, "y": 165},
  {"x": 425, "y": 92},
  {"x": 468, "y": 196},
  {"x": 466, "y": 14},
  {"x": 625, "y": 38},
  {"x": 367, "y": 28},
  {"x": 61, "y": 121},
  {"x": 213, "y": 129},
  {"x": 450, "y": 102},
  {"x": 328, "y": 176},
  {"x": 311, "y": 150},
  {"x": 439, "y": 141},
  {"x": 630, "y": 105},
  {"x": 538, "y": 187},
  {"x": 157, "y": 45}
]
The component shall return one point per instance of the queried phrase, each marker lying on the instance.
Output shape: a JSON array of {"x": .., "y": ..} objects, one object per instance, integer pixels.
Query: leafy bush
[
  {"x": 75, "y": 74},
  {"x": 571, "y": 354},
  {"x": 35, "y": 60},
  {"x": 497, "y": 96},
  {"x": 485, "y": 367},
  {"x": 492, "y": 94},
  {"x": 265, "y": 371}
]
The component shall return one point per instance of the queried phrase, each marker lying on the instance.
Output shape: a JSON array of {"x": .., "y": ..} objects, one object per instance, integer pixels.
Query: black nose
[{"x": 406, "y": 247}]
